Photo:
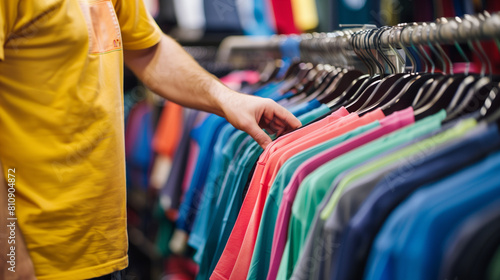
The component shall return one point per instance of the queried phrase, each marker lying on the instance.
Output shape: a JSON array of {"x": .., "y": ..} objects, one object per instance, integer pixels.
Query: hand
[{"x": 252, "y": 114}]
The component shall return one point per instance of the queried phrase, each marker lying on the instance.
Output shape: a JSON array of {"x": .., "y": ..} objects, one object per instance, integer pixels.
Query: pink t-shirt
[
  {"x": 320, "y": 136},
  {"x": 274, "y": 156},
  {"x": 387, "y": 125},
  {"x": 305, "y": 130},
  {"x": 234, "y": 79}
]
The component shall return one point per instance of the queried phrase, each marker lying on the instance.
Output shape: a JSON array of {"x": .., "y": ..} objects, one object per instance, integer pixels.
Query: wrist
[{"x": 221, "y": 97}]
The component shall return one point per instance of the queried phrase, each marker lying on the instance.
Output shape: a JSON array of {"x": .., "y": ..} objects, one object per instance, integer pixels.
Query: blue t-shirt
[
  {"x": 139, "y": 160},
  {"x": 411, "y": 241},
  {"x": 205, "y": 135},
  {"x": 255, "y": 17},
  {"x": 396, "y": 186},
  {"x": 222, "y": 16},
  {"x": 212, "y": 187},
  {"x": 471, "y": 250},
  {"x": 244, "y": 168}
]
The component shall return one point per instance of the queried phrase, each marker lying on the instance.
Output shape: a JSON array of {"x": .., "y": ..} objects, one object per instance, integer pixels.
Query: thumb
[{"x": 259, "y": 135}]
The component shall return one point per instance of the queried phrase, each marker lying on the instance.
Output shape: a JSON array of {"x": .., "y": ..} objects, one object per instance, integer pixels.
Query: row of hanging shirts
[
  {"x": 253, "y": 214},
  {"x": 375, "y": 61}
]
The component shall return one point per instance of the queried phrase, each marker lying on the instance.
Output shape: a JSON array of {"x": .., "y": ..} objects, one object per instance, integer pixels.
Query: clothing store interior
[{"x": 393, "y": 174}]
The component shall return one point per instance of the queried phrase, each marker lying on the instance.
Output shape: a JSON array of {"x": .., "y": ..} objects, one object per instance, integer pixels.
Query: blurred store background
[{"x": 155, "y": 128}]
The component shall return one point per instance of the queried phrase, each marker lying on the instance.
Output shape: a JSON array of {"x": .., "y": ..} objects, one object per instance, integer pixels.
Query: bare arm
[
  {"x": 23, "y": 268},
  {"x": 172, "y": 73}
]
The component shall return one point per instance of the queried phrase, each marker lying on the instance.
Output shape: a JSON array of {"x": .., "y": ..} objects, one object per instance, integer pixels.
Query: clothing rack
[{"x": 354, "y": 45}]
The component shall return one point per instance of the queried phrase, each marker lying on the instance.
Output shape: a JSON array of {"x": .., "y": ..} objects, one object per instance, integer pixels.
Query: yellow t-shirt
[
  {"x": 61, "y": 127},
  {"x": 305, "y": 14}
]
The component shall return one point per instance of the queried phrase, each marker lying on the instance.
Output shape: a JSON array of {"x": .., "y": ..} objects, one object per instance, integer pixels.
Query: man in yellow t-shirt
[{"x": 62, "y": 127}]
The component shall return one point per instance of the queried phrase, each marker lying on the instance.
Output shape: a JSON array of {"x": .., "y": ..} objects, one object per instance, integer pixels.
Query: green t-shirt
[{"x": 422, "y": 146}]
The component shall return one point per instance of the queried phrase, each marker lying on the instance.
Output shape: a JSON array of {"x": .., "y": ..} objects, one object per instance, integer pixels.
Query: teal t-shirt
[
  {"x": 231, "y": 152},
  {"x": 213, "y": 184},
  {"x": 314, "y": 114},
  {"x": 314, "y": 187}
]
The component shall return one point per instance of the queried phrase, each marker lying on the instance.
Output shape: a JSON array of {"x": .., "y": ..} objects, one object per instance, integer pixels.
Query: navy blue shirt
[
  {"x": 396, "y": 186},
  {"x": 471, "y": 249}
]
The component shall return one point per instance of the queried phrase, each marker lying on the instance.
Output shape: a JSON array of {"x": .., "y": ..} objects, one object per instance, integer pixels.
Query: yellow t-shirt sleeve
[
  {"x": 138, "y": 28},
  {"x": 8, "y": 13}
]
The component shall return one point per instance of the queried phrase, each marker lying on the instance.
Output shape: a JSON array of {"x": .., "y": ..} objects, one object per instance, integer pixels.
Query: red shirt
[{"x": 283, "y": 15}]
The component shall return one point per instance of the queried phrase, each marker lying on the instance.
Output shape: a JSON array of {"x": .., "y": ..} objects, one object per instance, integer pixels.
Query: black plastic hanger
[
  {"x": 270, "y": 71},
  {"x": 425, "y": 95},
  {"x": 346, "y": 82},
  {"x": 322, "y": 84},
  {"x": 353, "y": 99},
  {"x": 441, "y": 99},
  {"x": 476, "y": 96},
  {"x": 296, "y": 76},
  {"x": 382, "y": 88},
  {"x": 339, "y": 86},
  {"x": 402, "y": 94},
  {"x": 354, "y": 90},
  {"x": 393, "y": 84},
  {"x": 490, "y": 111},
  {"x": 363, "y": 95},
  {"x": 316, "y": 86},
  {"x": 456, "y": 106},
  {"x": 308, "y": 80},
  {"x": 389, "y": 94},
  {"x": 407, "y": 94}
]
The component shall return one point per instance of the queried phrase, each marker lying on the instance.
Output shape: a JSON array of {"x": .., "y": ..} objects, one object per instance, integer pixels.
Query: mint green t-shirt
[
  {"x": 314, "y": 187},
  {"x": 421, "y": 146}
]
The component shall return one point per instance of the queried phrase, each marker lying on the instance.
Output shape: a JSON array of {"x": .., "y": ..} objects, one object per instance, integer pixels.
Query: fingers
[
  {"x": 286, "y": 117},
  {"x": 258, "y": 135},
  {"x": 273, "y": 126},
  {"x": 279, "y": 120},
  {"x": 268, "y": 115}
]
